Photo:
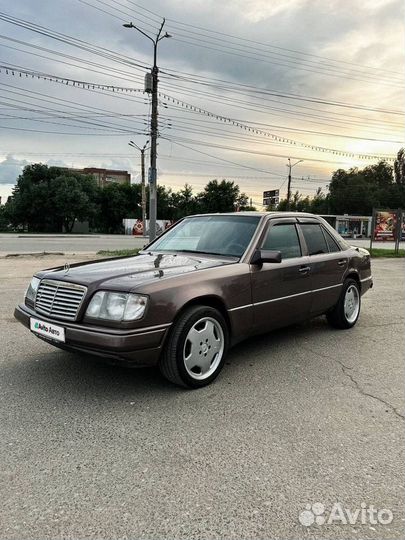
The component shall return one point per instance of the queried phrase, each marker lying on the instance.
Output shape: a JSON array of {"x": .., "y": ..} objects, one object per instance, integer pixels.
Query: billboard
[{"x": 271, "y": 197}]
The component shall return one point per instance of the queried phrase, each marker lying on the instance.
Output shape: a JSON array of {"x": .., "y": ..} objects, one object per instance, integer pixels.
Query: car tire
[
  {"x": 347, "y": 310},
  {"x": 196, "y": 347}
]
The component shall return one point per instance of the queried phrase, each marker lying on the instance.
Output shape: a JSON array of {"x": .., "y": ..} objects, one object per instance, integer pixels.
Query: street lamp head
[
  {"x": 164, "y": 36},
  {"x": 128, "y": 25}
]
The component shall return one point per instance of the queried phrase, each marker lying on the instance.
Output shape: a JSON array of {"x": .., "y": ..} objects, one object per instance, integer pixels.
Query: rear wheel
[
  {"x": 195, "y": 352},
  {"x": 346, "y": 312}
]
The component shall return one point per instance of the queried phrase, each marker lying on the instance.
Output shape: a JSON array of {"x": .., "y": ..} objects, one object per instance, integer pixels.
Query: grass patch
[
  {"x": 118, "y": 252},
  {"x": 381, "y": 252}
]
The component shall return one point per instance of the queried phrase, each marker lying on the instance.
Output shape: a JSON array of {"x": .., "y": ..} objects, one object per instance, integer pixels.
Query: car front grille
[{"x": 59, "y": 299}]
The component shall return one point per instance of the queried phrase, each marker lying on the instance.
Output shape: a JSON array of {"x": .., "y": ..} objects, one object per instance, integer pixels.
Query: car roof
[{"x": 259, "y": 214}]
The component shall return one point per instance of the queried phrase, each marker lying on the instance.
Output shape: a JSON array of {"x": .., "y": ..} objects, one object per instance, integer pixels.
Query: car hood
[{"x": 125, "y": 273}]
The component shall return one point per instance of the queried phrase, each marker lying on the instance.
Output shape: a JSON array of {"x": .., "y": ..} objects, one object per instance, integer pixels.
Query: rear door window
[
  {"x": 314, "y": 238},
  {"x": 332, "y": 244}
]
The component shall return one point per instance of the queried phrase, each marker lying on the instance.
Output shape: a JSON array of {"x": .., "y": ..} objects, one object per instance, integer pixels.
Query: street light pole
[
  {"x": 290, "y": 166},
  {"x": 143, "y": 192},
  {"x": 153, "y": 128},
  {"x": 143, "y": 185}
]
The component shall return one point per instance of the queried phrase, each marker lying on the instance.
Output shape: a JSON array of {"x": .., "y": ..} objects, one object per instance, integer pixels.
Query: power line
[
  {"x": 109, "y": 134},
  {"x": 228, "y": 50},
  {"x": 58, "y": 101},
  {"x": 220, "y": 159},
  {"x": 263, "y": 46},
  {"x": 252, "y": 152},
  {"x": 11, "y": 70},
  {"x": 187, "y": 121},
  {"x": 309, "y": 66},
  {"x": 236, "y": 87},
  {"x": 107, "y": 70},
  {"x": 335, "y": 122},
  {"x": 273, "y": 136},
  {"x": 75, "y": 42},
  {"x": 335, "y": 117}
]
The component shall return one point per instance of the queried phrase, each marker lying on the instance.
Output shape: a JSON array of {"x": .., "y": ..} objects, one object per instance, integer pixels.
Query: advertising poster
[
  {"x": 135, "y": 227},
  {"x": 402, "y": 237},
  {"x": 385, "y": 225}
]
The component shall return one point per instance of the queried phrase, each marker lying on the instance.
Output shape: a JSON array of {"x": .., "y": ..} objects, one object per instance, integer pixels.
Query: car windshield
[{"x": 215, "y": 235}]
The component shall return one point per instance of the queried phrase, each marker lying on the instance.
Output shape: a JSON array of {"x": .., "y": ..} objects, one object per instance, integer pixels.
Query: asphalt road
[
  {"x": 15, "y": 243},
  {"x": 299, "y": 416}
]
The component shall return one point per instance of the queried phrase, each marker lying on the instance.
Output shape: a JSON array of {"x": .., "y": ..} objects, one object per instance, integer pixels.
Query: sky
[{"x": 244, "y": 85}]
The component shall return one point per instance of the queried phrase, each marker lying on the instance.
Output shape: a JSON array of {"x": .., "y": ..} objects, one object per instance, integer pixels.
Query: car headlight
[
  {"x": 32, "y": 289},
  {"x": 116, "y": 306}
]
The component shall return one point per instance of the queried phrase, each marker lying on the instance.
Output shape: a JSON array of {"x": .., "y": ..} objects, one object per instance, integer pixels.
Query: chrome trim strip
[
  {"x": 240, "y": 307},
  {"x": 114, "y": 331},
  {"x": 286, "y": 297},
  {"x": 281, "y": 298},
  {"x": 326, "y": 288},
  {"x": 366, "y": 279}
]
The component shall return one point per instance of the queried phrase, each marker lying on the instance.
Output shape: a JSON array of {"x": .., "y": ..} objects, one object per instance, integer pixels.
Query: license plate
[{"x": 48, "y": 330}]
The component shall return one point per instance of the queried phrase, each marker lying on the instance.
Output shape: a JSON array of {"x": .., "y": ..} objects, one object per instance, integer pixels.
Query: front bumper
[{"x": 137, "y": 347}]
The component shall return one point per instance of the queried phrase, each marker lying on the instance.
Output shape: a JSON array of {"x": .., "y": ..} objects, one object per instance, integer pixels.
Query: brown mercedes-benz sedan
[{"x": 207, "y": 283}]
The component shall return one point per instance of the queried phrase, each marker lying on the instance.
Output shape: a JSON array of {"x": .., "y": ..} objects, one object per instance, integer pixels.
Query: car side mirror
[{"x": 261, "y": 256}]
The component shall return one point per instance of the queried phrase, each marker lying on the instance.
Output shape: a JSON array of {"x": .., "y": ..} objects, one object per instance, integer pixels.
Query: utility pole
[
  {"x": 152, "y": 176},
  {"x": 143, "y": 186},
  {"x": 290, "y": 166}
]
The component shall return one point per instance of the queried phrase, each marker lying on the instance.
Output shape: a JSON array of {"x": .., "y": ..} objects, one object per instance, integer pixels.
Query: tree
[
  {"x": 184, "y": 202},
  {"x": 4, "y": 218},
  {"x": 399, "y": 167},
  {"x": 48, "y": 198},
  {"x": 320, "y": 202},
  {"x": 298, "y": 203},
  {"x": 358, "y": 191},
  {"x": 243, "y": 204},
  {"x": 219, "y": 197},
  {"x": 116, "y": 202},
  {"x": 74, "y": 198}
]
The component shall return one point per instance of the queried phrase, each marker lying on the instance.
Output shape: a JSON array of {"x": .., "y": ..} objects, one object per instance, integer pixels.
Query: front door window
[{"x": 284, "y": 238}]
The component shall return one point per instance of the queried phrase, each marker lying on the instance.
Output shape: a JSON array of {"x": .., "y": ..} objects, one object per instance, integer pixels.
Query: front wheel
[
  {"x": 346, "y": 312},
  {"x": 195, "y": 351}
]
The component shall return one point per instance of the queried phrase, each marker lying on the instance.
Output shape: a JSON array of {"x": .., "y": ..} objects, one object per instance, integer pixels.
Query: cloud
[
  {"x": 10, "y": 168},
  {"x": 366, "y": 34}
]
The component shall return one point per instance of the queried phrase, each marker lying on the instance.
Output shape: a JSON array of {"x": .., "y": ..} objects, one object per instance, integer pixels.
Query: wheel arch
[
  {"x": 352, "y": 274},
  {"x": 210, "y": 300}
]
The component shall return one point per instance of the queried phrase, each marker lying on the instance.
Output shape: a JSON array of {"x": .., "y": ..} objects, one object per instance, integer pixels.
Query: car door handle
[
  {"x": 304, "y": 269},
  {"x": 342, "y": 262}
]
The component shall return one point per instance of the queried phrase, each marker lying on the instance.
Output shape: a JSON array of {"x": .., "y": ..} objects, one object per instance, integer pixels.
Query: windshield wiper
[{"x": 204, "y": 252}]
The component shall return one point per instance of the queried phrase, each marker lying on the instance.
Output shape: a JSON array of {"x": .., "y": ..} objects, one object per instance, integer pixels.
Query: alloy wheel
[
  {"x": 352, "y": 303},
  {"x": 203, "y": 348}
]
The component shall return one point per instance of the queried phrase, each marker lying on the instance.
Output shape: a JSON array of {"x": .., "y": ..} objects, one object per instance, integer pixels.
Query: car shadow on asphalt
[{"x": 65, "y": 374}]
